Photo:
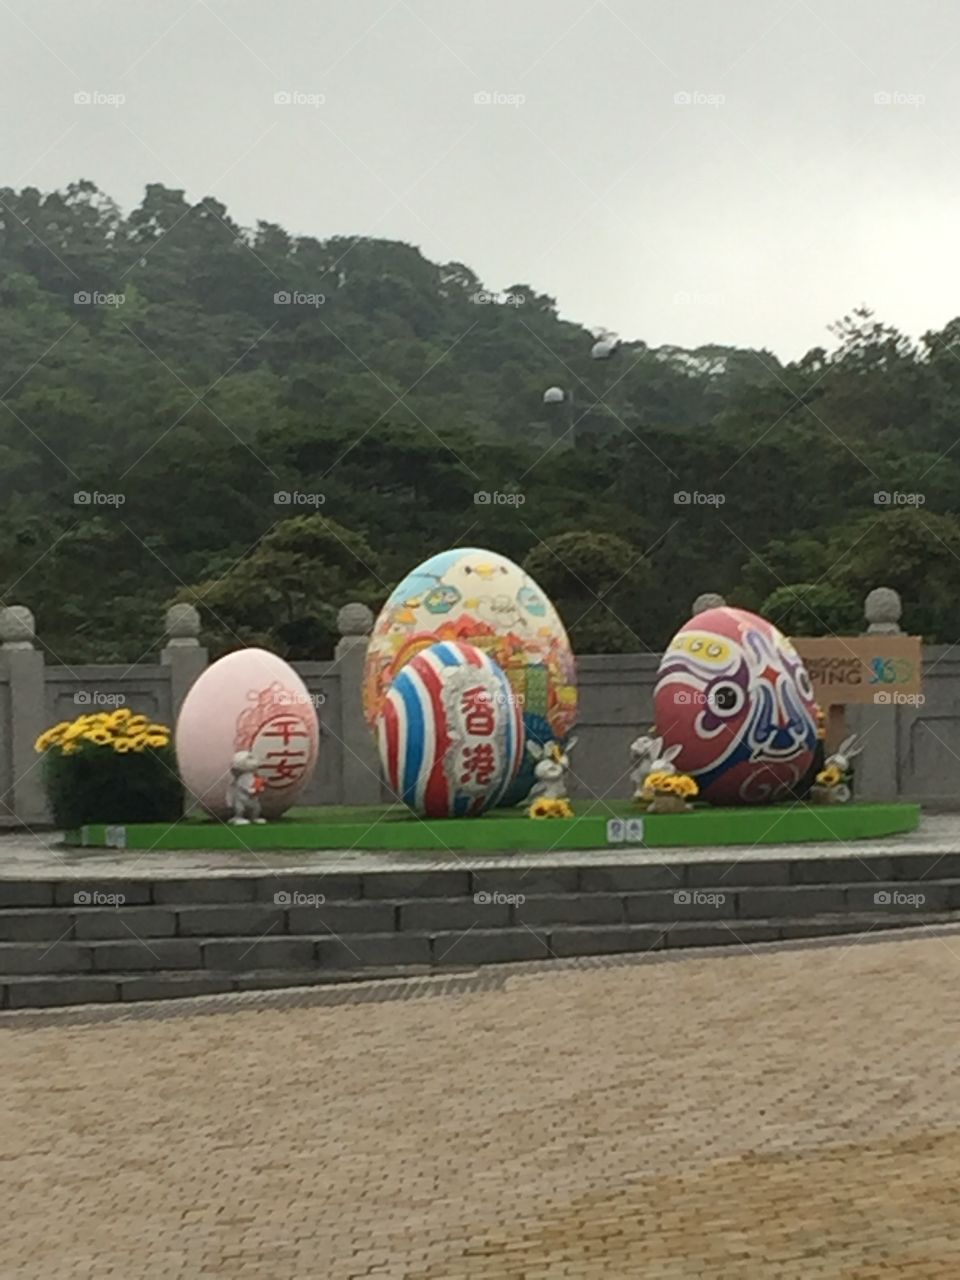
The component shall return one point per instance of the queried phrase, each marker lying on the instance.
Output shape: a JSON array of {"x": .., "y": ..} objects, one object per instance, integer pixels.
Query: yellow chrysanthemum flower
[
  {"x": 543, "y": 807},
  {"x": 830, "y": 777},
  {"x": 51, "y": 737},
  {"x": 121, "y": 729}
]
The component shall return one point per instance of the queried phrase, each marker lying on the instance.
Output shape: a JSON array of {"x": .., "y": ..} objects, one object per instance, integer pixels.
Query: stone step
[
  {"x": 172, "y": 924},
  {"x": 300, "y": 891},
  {"x": 364, "y": 957},
  {"x": 281, "y": 952},
  {"x": 252, "y": 919},
  {"x": 439, "y": 948},
  {"x": 56, "y": 989}
]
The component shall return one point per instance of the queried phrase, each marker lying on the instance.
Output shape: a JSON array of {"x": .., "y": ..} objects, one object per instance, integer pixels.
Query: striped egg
[{"x": 450, "y": 732}]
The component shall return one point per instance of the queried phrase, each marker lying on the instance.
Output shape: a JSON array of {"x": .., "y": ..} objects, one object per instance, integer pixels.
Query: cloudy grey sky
[{"x": 690, "y": 172}]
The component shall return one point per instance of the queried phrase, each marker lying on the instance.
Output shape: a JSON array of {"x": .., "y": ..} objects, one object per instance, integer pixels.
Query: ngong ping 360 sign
[{"x": 875, "y": 669}]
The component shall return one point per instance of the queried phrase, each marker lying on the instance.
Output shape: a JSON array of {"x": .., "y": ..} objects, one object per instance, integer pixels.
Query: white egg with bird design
[{"x": 481, "y": 598}]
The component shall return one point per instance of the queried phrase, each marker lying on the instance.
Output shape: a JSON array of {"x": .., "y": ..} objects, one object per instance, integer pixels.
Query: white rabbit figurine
[
  {"x": 840, "y": 760},
  {"x": 644, "y": 750},
  {"x": 243, "y": 790},
  {"x": 848, "y": 750},
  {"x": 662, "y": 762},
  {"x": 549, "y": 793}
]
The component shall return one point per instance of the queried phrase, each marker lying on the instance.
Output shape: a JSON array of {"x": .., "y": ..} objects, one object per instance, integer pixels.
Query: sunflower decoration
[
  {"x": 112, "y": 767},
  {"x": 119, "y": 731},
  {"x": 669, "y": 792},
  {"x": 829, "y": 777},
  {"x": 671, "y": 784},
  {"x": 543, "y": 807}
]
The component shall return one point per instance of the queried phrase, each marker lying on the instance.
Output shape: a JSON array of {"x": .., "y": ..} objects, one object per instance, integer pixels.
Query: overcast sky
[{"x": 774, "y": 195}]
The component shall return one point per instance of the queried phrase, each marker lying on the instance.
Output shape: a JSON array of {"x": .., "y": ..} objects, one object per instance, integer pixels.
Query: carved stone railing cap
[
  {"x": 883, "y": 609},
  {"x": 355, "y": 619},
  {"x": 17, "y": 627},
  {"x": 183, "y": 624},
  {"x": 708, "y": 600}
]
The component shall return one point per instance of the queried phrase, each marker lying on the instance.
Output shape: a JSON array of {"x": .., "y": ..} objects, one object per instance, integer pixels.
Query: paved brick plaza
[{"x": 788, "y": 1114}]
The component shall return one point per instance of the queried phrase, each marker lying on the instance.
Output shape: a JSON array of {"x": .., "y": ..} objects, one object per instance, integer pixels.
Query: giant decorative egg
[
  {"x": 450, "y": 732},
  {"x": 249, "y": 700},
  {"x": 486, "y": 600},
  {"x": 733, "y": 693}
]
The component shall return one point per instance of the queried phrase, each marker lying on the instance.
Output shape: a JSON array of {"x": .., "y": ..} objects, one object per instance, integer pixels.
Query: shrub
[
  {"x": 813, "y": 609},
  {"x": 111, "y": 768}
]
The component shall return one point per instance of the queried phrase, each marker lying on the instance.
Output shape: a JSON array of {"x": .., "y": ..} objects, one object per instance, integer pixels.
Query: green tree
[
  {"x": 598, "y": 583},
  {"x": 286, "y": 593},
  {"x": 917, "y": 552},
  {"x": 399, "y": 397},
  {"x": 813, "y": 609}
]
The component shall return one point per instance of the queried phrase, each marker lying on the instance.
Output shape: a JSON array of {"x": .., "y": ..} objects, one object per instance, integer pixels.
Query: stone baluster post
[
  {"x": 24, "y": 666},
  {"x": 361, "y": 762},
  {"x": 877, "y": 772},
  {"x": 882, "y": 610},
  {"x": 707, "y": 600},
  {"x": 183, "y": 653}
]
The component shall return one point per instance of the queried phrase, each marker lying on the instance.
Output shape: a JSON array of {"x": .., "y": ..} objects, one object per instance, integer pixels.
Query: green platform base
[{"x": 503, "y": 831}]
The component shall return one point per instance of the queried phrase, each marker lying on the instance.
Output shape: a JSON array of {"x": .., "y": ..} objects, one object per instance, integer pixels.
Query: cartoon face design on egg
[{"x": 734, "y": 694}]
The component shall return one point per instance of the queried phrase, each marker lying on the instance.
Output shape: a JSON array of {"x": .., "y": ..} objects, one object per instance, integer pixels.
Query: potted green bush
[{"x": 113, "y": 767}]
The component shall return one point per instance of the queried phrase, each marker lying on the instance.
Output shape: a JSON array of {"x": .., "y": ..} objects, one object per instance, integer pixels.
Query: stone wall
[{"x": 912, "y": 752}]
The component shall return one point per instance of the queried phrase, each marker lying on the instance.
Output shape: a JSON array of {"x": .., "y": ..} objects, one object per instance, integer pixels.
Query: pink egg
[{"x": 250, "y": 700}]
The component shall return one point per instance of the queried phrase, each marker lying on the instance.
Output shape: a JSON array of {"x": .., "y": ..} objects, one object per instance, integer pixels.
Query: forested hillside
[{"x": 180, "y": 372}]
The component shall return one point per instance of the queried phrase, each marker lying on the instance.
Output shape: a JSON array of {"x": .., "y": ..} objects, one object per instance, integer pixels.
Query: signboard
[{"x": 875, "y": 669}]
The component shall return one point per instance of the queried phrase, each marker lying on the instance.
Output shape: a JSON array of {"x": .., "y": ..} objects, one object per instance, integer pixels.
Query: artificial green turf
[{"x": 504, "y": 830}]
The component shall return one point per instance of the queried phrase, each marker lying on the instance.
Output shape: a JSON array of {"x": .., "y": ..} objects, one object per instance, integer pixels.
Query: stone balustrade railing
[{"x": 615, "y": 702}]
